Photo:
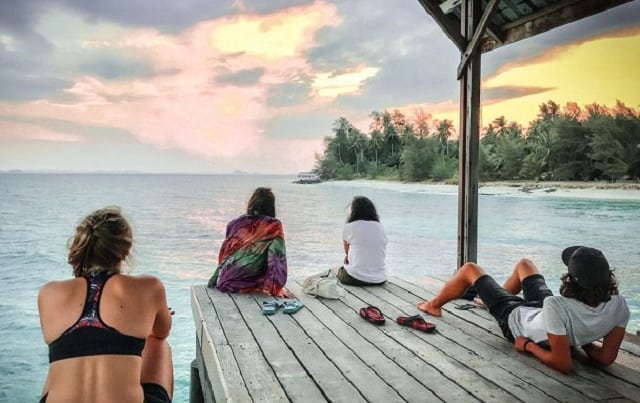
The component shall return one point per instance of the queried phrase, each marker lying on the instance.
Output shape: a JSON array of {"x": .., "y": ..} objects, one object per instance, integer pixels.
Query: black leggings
[
  {"x": 345, "y": 278},
  {"x": 153, "y": 393}
]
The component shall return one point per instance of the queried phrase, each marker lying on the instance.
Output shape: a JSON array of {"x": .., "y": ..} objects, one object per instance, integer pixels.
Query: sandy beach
[
  {"x": 583, "y": 190},
  {"x": 589, "y": 190}
]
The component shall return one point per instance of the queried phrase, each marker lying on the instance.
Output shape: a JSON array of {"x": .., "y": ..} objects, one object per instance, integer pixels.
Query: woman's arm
[
  {"x": 606, "y": 353},
  {"x": 559, "y": 357},
  {"x": 162, "y": 322},
  {"x": 345, "y": 244}
]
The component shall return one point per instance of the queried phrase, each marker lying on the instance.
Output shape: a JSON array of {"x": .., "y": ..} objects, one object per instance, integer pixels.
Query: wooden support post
[
  {"x": 195, "y": 388},
  {"x": 468, "y": 173},
  {"x": 479, "y": 30}
]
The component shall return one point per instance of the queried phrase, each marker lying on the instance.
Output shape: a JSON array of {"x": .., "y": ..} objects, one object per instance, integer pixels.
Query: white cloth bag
[{"x": 324, "y": 285}]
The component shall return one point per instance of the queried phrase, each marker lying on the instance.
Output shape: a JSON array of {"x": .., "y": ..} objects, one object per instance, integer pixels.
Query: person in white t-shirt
[
  {"x": 365, "y": 246},
  {"x": 588, "y": 308}
]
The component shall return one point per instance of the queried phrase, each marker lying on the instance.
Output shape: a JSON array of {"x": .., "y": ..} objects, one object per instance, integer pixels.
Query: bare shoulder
[
  {"x": 55, "y": 287},
  {"x": 55, "y": 292},
  {"x": 148, "y": 283}
]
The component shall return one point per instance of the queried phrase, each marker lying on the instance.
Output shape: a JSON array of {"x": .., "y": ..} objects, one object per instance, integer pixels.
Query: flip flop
[
  {"x": 292, "y": 307},
  {"x": 372, "y": 315},
  {"x": 270, "y": 307},
  {"x": 416, "y": 322},
  {"x": 466, "y": 307}
]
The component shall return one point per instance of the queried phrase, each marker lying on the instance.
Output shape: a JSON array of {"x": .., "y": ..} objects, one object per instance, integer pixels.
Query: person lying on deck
[
  {"x": 252, "y": 257},
  {"x": 587, "y": 309}
]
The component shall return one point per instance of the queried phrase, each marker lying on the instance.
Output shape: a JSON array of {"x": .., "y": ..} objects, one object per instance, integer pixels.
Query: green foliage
[
  {"x": 417, "y": 159},
  {"x": 563, "y": 143},
  {"x": 444, "y": 168}
]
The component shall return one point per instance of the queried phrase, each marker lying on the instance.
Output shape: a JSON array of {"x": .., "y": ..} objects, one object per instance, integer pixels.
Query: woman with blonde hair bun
[{"x": 106, "y": 330}]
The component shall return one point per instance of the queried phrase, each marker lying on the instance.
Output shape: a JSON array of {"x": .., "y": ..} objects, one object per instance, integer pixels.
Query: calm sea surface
[{"x": 179, "y": 223}]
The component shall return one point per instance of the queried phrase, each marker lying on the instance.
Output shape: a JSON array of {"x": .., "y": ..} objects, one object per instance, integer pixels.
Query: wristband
[{"x": 524, "y": 348}]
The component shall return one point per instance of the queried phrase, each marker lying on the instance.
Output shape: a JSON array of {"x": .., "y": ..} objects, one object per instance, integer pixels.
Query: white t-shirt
[
  {"x": 568, "y": 316},
  {"x": 367, "y": 250}
]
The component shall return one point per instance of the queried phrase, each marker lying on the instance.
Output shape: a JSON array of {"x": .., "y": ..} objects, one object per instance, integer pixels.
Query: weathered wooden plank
[
  {"x": 631, "y": 344},
  {"x": 467, "y": 326},
  {"x": 409, "y": 362},
  {"x": 262, "y": 384},
  {"x": 326, "y": 352},
  {"x": 462, "y": 364},
  {"x": 371, "y": 385},
  {"x": 494, "y": 365},
  {"x": 316, "y": 362},
  {"x": 204, "y": 313},
  {"x": 579, "y": 382},
  {"x": 371, "y": 352},
  {"x": 626, "y": 373},
  {"x": 478, "y": 316},
  {"x": 290, "y": 373},
  {"x": 219, "y": 368}
]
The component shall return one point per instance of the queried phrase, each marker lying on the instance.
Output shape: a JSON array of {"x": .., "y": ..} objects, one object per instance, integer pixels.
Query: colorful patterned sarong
[{"x": 252, "y": 257}]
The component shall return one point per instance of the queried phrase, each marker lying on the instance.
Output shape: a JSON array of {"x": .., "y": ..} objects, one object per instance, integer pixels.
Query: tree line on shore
[{"x": 566, "y": 143}]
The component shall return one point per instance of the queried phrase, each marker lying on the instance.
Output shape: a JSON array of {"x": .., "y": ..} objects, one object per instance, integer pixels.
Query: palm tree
[
  {"x": 341, "y": 128},
  {"x": 444, "y": 130},
  {"x": 500, "y": 125},
  {"x": 389, "y": 131},
  {"x": 548, "y": 110},
  {"x": 356, "y": 143},
  {"x": 422, "y": 122},
  {"x": 376, "y": 142}
]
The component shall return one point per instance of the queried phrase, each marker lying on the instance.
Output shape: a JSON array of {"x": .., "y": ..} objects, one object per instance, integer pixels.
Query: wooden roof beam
[
  {"x": 449, "y": 5},
  {"x": 449, "y": 26},
  {"x": 558, "y": 14},
  {"x": 495, "y": 32},
  {"x": 473, "y": 44}
]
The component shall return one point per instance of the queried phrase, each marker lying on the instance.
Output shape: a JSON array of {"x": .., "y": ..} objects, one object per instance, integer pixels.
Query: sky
[{"x": 203, "y": 86}]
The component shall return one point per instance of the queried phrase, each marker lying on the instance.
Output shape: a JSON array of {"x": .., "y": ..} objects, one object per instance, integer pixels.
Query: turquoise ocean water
[{"x": 179, "y": 223}]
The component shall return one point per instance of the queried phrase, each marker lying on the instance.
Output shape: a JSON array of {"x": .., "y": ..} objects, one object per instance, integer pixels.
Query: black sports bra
[{"x": 90, "y": 335}]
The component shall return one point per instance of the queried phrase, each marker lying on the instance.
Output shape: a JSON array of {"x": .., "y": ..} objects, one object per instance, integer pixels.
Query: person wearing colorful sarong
[{"x": 252, "y": 257}]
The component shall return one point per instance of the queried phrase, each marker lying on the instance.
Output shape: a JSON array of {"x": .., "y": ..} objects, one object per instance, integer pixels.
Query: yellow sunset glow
[
  {"x": 274, "y": 36},
  {"x": 331, "y": 85},
  {"x": 602, "y": 70}
]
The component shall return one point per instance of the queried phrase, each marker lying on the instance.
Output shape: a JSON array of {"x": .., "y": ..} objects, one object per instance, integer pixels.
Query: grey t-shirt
[{"x": 567, "y": 316}]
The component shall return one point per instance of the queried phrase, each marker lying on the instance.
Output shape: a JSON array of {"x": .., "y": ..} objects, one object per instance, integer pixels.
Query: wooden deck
[{"x": 326, "y": 352}]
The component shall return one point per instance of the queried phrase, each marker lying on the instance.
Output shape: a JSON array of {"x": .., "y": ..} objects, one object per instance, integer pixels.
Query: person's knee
[
  {"x": 472, "y": 271},
  {"x": 527, "y": 265},
  {"x": 471, "y": 267}
]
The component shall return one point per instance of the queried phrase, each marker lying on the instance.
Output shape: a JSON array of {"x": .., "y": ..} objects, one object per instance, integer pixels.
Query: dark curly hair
[
  {"x": 593, "y": 297},
  {"x": 262, "y": 202},
  {"x": 362, "y": 209}
]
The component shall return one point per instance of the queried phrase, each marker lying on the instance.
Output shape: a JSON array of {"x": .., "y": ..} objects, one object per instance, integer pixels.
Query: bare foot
[
  {"x": 479, "y": 301},
  {"x": 425, "y": 306},
  {"x": 287, "y": 294}
]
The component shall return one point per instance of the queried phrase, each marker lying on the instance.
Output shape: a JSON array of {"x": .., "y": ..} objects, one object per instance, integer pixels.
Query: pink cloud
[
  {"x": 187, "y": 108},
  {"x": 30, "y": 131}
]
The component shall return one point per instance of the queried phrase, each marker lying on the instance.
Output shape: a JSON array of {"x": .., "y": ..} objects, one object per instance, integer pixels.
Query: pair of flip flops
[
  {"x": 289, "y": 307},
  {"x": 374, "y": 315}
]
